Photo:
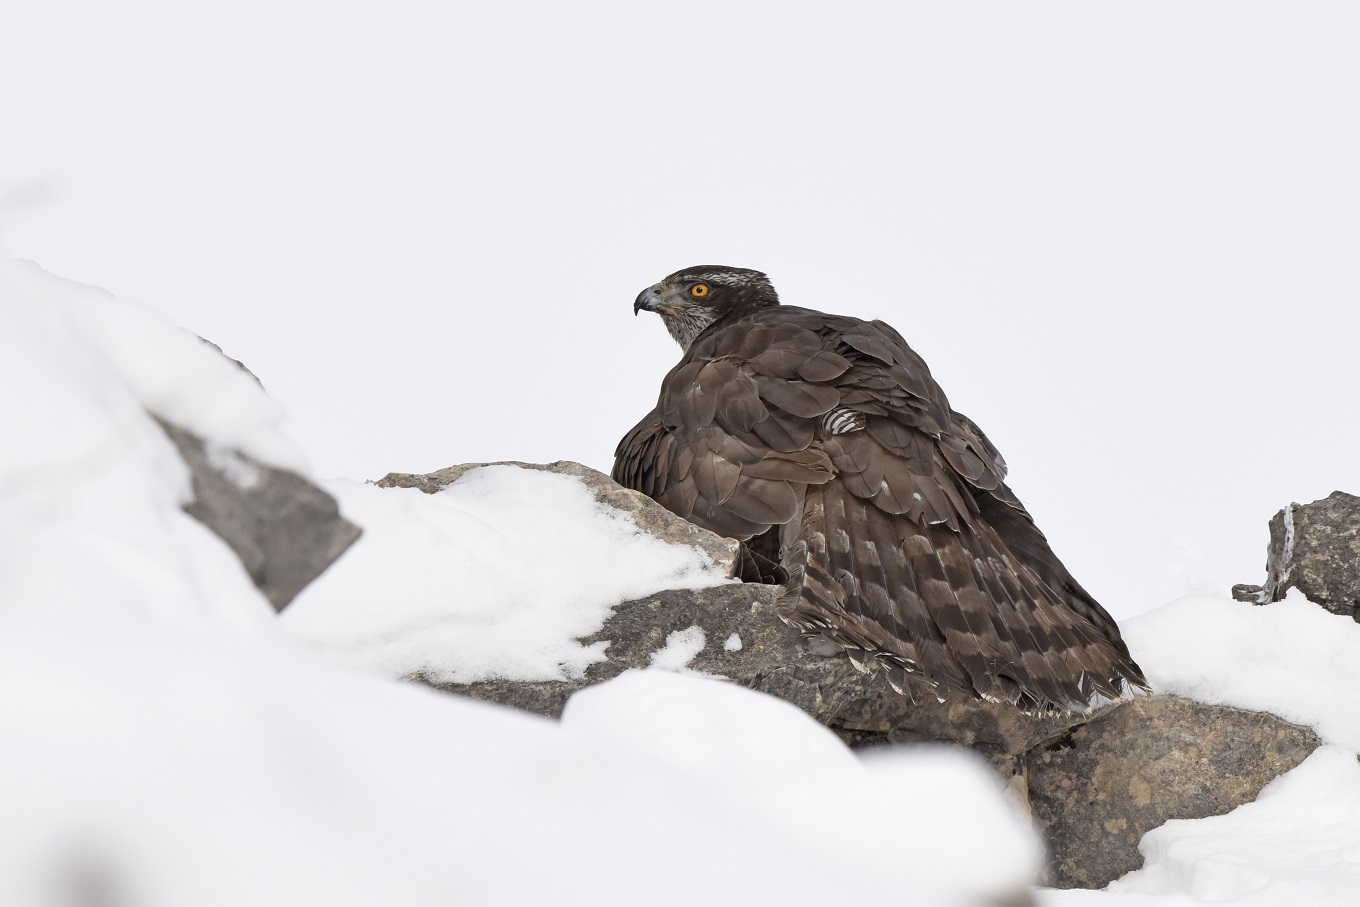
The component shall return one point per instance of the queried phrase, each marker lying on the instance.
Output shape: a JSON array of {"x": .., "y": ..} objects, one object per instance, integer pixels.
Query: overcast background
[{"x": 1126, "y": 237}]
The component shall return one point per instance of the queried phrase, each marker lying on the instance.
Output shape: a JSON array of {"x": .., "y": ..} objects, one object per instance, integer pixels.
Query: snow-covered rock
[
  {"x": 245, "y": 478},
  {"x": 1292, "y": 659},
  {"x": 523, "y": 583},
  {"x": 507, "y": 573}
]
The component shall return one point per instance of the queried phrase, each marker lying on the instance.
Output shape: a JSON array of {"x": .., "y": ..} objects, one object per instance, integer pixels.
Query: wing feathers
[
  {"x": 901, "y": 540},
  {"x": 823, "y": 366},
  {"x": 782, "y": 433},
  {"x": 799, "y": 398}
]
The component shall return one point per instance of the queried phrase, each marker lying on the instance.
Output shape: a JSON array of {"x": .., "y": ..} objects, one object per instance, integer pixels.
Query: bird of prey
[{"x": 824, "y": 445}]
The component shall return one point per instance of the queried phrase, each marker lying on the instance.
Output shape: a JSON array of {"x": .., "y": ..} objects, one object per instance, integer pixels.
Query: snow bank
[
  {"x": 497, "y": 576},
  {"x": 1084, "y": 897},
  {"x": 165, "y": 743},
  {"x": 162, "y": 765},
  {"x": 930, "y": 823},
  {"x": 170, "y": 371},
  {"x": 166, "y": 767},
  {"x": 89, "y": 484},
  {"x": 1291, "y": 658}
]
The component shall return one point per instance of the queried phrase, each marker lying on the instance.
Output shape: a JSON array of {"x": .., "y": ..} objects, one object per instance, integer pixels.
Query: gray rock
[
  {"x": 1314, "y": 548},
  {"x": 812, "y": 674},
  {"x": 1097, "y": 789},
  {"x": 236, "y": 362},
  {"x": 775, "y": 659},
  {"x": 285, "y": 530}
]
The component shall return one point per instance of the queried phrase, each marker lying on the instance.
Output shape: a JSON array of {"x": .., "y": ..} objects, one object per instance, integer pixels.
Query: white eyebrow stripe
[{"x": 726, "y": 279}]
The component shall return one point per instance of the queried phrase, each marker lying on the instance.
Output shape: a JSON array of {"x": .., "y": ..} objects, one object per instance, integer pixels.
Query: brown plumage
[{"x": 822, "y": 442}]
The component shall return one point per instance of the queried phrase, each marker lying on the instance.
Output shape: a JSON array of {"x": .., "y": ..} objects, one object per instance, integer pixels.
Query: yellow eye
[{"x": 699, "y": 289}]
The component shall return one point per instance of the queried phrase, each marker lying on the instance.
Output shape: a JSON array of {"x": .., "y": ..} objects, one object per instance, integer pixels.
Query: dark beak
[{"x": 647, "y": 300}]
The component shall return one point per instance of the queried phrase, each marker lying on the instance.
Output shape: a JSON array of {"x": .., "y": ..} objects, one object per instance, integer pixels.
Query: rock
[
  {"x": 285, "y": 530},
  {"x": 1314, "y": 548},
  {"x": 773, "y": 658},
  {"x": 1097, "y": 789},
  {"x": 746, "y": 642},
  {"x": 236, "y": 362}
]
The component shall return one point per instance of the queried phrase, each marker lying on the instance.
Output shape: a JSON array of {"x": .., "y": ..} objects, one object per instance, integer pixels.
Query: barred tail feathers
[{"x": 955, "y": 606}]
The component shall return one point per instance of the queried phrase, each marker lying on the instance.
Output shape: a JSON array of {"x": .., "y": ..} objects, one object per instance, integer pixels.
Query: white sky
[{"x": 1124, "y": 237}]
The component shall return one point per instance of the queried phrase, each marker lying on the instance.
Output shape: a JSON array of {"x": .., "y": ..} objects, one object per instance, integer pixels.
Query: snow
[
  {"x": 169, "y": 740},
  {"x": 934, "y": 808},
  {"x": 1291, "y": 658},
  {"x": 157, "y": 756},
  {"x": 1082, "y": 897},
  {"x": 166, "y": 742},
  {"x": 89, "y": 484},
  {"x": 187, "y": 381},
  {"x": 682, "y": 647},
  {"x": 732, "y": 643},
  {"x": 495, "y": 577}
]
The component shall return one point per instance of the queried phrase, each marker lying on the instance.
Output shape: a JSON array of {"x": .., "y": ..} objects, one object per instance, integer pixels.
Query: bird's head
[{"x": 690, "y": 300}]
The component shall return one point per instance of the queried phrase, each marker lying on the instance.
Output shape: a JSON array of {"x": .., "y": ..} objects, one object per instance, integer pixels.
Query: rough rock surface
[
  {"x": 1096, "y": 790},
  {"x": 773, "y": 658},
  {"x": 1314, "y": 548},
  {"x": 285, "y": 530}
]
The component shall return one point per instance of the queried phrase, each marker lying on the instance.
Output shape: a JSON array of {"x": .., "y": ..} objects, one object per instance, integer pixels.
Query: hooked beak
[{"x": 648, "y": 300}]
